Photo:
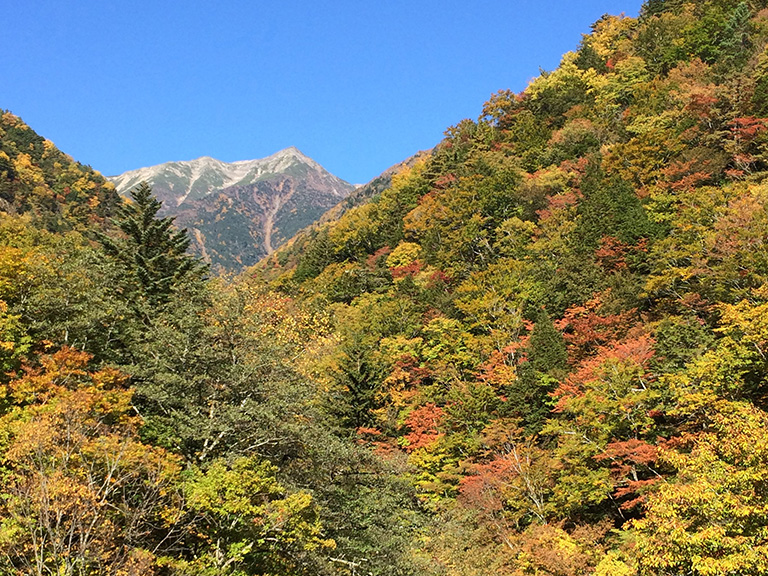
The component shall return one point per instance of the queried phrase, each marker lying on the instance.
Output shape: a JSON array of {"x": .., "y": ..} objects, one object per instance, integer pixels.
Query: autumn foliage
[{"x": 539, "y": 349}]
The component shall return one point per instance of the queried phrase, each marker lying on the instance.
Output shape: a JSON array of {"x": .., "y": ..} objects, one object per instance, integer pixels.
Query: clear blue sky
[{"x": 358, "y": 85}]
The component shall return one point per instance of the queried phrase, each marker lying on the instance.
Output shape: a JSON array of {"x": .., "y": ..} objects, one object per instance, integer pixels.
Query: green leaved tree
[{"x": 151, "y": 249}]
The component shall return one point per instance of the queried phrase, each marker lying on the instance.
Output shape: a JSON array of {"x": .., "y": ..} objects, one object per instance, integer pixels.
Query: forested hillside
[
  {"x": 38, "y": 179},
  {"x": 559, "y": 315},
  {"x": 155, "y": 421},
  {"x": 540, "y": 349}
]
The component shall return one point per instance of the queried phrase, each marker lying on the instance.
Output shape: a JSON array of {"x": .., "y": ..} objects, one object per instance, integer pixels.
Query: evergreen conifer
[{"x": 151, "y": 249}]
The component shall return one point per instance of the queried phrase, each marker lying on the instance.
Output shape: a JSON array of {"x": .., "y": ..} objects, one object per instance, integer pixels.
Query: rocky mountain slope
[{"x": 238, "y": 212}]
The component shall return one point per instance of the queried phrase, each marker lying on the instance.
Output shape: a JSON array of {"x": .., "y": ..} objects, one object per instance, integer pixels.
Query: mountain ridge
[
  {"x": 238, "y": 212},
  {"x": 236, "y": 173}
]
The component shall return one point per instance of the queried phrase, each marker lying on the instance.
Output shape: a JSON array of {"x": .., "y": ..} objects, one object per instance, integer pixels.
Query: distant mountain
[{"x": 239, "y": 212}]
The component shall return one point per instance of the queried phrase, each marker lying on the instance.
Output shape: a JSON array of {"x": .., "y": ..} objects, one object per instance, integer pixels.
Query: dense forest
[{"x": 541, "y": 349}]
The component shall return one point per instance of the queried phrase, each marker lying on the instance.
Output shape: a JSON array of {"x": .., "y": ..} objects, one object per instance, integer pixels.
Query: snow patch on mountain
[
  {"x": 195, "y": 179},
  {"x": 238, "y": 212}
]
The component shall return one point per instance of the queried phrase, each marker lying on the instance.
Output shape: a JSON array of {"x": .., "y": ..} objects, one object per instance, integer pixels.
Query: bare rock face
[{"x": 237, "y": 213}]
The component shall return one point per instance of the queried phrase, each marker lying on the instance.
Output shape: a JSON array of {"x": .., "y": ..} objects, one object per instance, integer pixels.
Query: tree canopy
[{"x": 539, "y": 350}]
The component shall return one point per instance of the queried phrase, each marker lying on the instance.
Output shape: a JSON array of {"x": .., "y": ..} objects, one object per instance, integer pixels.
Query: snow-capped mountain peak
[
  {"x": 240, "y": 211},
  {"x": 195, "y": 179}
]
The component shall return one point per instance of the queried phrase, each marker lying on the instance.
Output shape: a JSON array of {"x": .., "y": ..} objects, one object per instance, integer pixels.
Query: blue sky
[{"x": 358, "y": 85}]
